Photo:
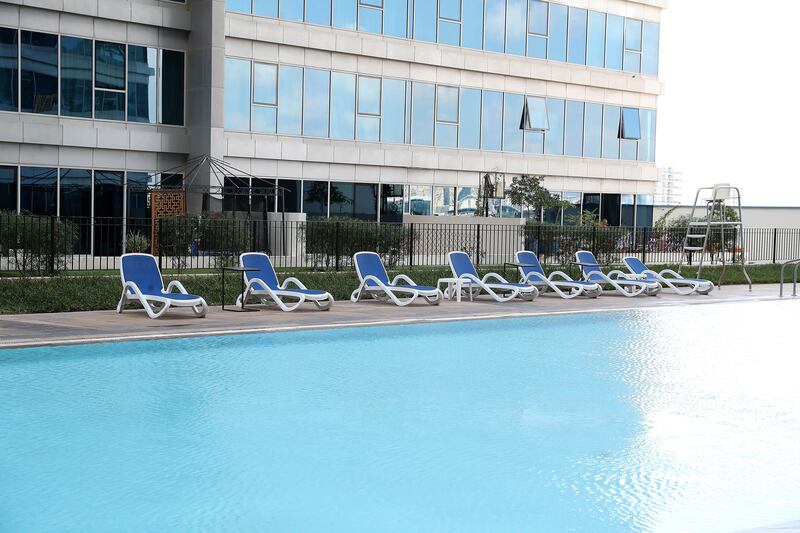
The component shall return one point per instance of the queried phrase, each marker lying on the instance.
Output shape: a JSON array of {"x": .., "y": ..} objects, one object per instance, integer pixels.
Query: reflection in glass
[
  {"x": 138, "y": 208},
  {"x": 444, "y": 202},
  {"x": 644, "y": 211},
  {"x": 647, "y": 145},
  {"x": 420, "y": 199},
  {"x": 573, "y": 133},
  {"x": 650, "y": 46},
  {"x": 290, "y": 89},
  {"x": 292, "y": 196},
  {"x": 512, "y": 111},
  {"x": 343, "y": 105},
  {"x": 591, "y": 204},
  {"x": 368, "y": 128},
  {"x": 627, "y": 210},
  {"x": 237, "y": 94},
  {"x": 467, "y": 201},
  {"x": 554, "y": 138},
  {"x": 633, "y": 35},
  {"x": 614, "y": 41},
  {"x": 553, "y": 214},
  {"x": 446, "y": 135},
  {"x": 265, "y": 84},
  {"x": 291, "y": 9},
  {"x": 39, "y": 73},
  {"x": 422, "y": 113},
  {"x": 109, "y": 65},
  {"x": 315, "y": 199},
  {"x": 38, "y": 190},
  {"x": 392, "y": 203},
  {"x": 369, "y": 95},
  {"x": 611, "y": 116},
  {"x": 446, "y": 103},
  {"x": 629, "y": 125},
  {"x": 366, "y": 202},
  {"x": 492, "y": 129},
  {"x": 108, "y": 213},
  {"x": 495, "y": 25},
  {"x": 395, "y": 15},
  {"x": 172, "y": 87},
  {"x": 9, "y": 69},
  {"x": 516, "y": 33},
  {"x": 264, "y": 119},
  {"x": 534, "y": 142},
  {"x": 318, "y": 12},
  {"x": 238, "y": 6},
  {"x": 577, "y": 36},
  {"x": 593, "y": 130},
  {"x": 425, "y": 20},
  {"x": 472, "y": 24},
  {"x": 449, "y": 33},
  {"x": 557, "y": 42},
  {"x": 632, "y": 62},
  {"x": 572, "y": 213},
  {"x": 109, "y": 105},
  {"x": 534, "y": 116},
  {"x": 450, "y": 9},
  {"x": 344, "y": 14},
  {"x": 264, "y": 8},
  {"x": 315, "y": 102},
  {"x": 8, "y": 189},
  {"x": 370, "y": 19},
  {"x": 470, "y": 119},
  {"x": 142, "y": 84},
  {"x": 596, "y": 41},
  {"x": 393, "y": 112},
  {"x": 537, "y": 17},
  {"x": 76, "y": 77}
]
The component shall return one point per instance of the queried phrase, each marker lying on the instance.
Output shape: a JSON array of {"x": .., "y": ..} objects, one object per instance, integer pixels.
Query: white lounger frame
[
  {"x": 559, "y": 278},
  {"x": 620, "y": 280},
  {"x": 676, "y": 279},
  {"x": 382, "y": 292},
  {"x": 457, "y": 285}
]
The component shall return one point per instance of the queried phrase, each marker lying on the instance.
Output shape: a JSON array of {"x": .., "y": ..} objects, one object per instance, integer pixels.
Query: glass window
[
  {"x": 420, "y": 199},
  {"x": 557, "y": 41},
  {"x": 492, "y": 123},
  {"x": 572, "y": 212},
  {"x": 554, "y": 138},
  {"x": 537, "y": 17},
  {"x": 444, "y": 201},
  {"x": 368, "y": 122},
  {"x": 370, "y": 19},
  {"x": 264, "y": 8},
  {"x": 109, "y": 105},
  {"x": 395, "y": 17},
  {"x": 495, "y": 25},
  {"x": 344, "y": 14},
  {"x": 142, "y": 84},
  {"x": 238, "y": 6},
  {"x": 632, "y": 62},
  {"x": 627, "y": 210},
  {"x": 472, "y": 24},
  {"x": 446, "y": 104},
  {"x": 393, "y": 111},
  {"x": 628, "y": 150},
  {"x": 315, "y": 199},
  {"x": 449, "y": 33},
  {"x": 466, "y": 201},
  {"x": 292, "y": 193},
  {"x": 425, "y": 20},
  {"x": 8, "y": 189},
  {"x": 76, "y": 77},
  {"x": 318, "y": 12},
  {"x": 611, "y": 117},
  {"x": 591, "y": 204},
  {"x": 342, "y": 200},
  {"x": 365, "y": 206},
  {"x": 650, "y": 46},
  {"x": 237, "y": 94},
  {"x": 647, "y": 145},
  {"x": 392, "y": 203},
  {"x": 596, "y": 39},
  {"x": 644, "y": 210},
  {"x": 109, "y": 66},
  {"x": 38, "y": 190},
  {"x": 573, "y": 130},
  {"x": 633, "y": 35},
  {"x": 516, "y": 33},
  {"x": 172, "y": 87},
  {"x": 290, "y": 107},
  {"x": 316, "y": 94},
  {"x": 470, "y": 119},
  {"x": 138, "y": 212},
  {"x": 9, "y": 69},
  {"x": 629, "y": 127},
  {"x": 108, "y": 213},
  {"x": 291, "y": 9},
  {"x": 39, "y": 73},
  {"x": 265, "y": 98},
  {"x": 576, "y": 52},
  {"x": 593, "y": 130},
  {"x": 450, "y": 9},
  {"x": 343, "y": 105},
  {"x": 610, "y": 209},
  {"x": 512, "y": 134},
  {"x": 615, "y": 34},
  {"x": 534, "y": 114},
  {"x": 552, "y": 215},
  {"x": 422, "y": 113},
  {"x": 534, "y": 142}
]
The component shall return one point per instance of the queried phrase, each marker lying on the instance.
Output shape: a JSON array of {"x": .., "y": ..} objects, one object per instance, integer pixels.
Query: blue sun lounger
[
  {"x": 374, "y": 282},
  {"x": 617, "y": 279},
  {"x": 263, "y": 284},
  {"x": 669, "y": 278},
  {"x": 531, "y": 272},
  {"x": 142, "y": 282},
  {"x": 465, "y": 277}
]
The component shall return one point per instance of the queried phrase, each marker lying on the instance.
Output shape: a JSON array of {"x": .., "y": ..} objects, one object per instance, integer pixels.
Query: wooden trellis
[{"x": 164, "y": 203}]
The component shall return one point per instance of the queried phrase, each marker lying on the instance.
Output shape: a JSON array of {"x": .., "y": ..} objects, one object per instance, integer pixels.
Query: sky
[{"x": 730, "y": 109}]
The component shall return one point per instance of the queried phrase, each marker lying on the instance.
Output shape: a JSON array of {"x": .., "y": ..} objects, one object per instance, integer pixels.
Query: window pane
[
  {"x": 395, "y": 16},
  {"x": 516, "y": 33},
  {"x": 343, "y": 105},
  {"x": 368, "y": 128},
  {"x": 318, "y": 12},
  {"x": 315, "y": 199},
  {"x": 172, "y": 87},
  {"x": 292, "y": 192},
  {"x": 596, "y": 51},
  {"x": 290, "y": 108},
  {"x": 614, "y": 41},
  {"x": 422, "y": 113},
  {"x": 39, "y": 73},
  {"x": 265, "y": 84},
  {"x": 472, "y": 24},
  {"x": 593, "y": 130},
  {"x": 495, "y": 25},
  {"x": 38, "y": 190},
  {"x": 628, "y": 150},
  {"x": 629, "y": 126},
  {"x": 393, "y": 111},
  {"x": 492, "y": 127},
  {"x": 291, "y": 9},
  {"x": 644, "y": 210},
  {"x": 572, "y": 214},
  {"x": 554, "y": 138},
  {"x": 109, "y": 105},
  {"x": 447, "y": 103},
  {"x": 76, "y": 77},
  {"x": 109, "y": 65},
  {"x": 366, "y": 201},
  {"x": 75, "y": 191},
  {"x": 633, "y": 35},
  {"x": 9, "y": 69},
  {"x": 450, "y": 9},
  {"x": 450, "y": 33},
  {"x": 536, "y": 114},
  {"x": 632, "y": 62},
  {"x": 425, "y": 20},
  {"x": 537, "y": 17},
  {"x": 142, "y": 84},
  {"x": 446, "y": 135},
  {"x": 557, "y": 43},
  {"x": 470, "y": 119},
  {"x": 537, "y": 46},
  {"x": 342, "y": 199},
  {"x": 534, "y": 142},
  {"x": 8, "y": 188},
  {"x": 650, "y": 45},
  {"x": 444, "y": 202},
  {"x": 392, "y": 203},
  {"x": 264, "y": 119},
  {"x": 573, "y": 133},
  {"x": 344, "y": 14},
  {"x": 466, "y": 201},
  {"x": 370, "y": 20},
  {"x": 237, "y": 94},
  {"x": 512, "y": 111},
  {"x": 315, "y": 102},
  {"x": 108, "y": 207},
  {"x": 265, "y": 8},
  {"x": 420, "y": 199},
  {"x": 611, "y": 116},
  {"x": 647, "y": 146},
  {"x": 577, "y": 36},
  {"x": 369, "y": 95},
  {"x": 591, "y": 203},
  {"x": 238, "y": 6}
]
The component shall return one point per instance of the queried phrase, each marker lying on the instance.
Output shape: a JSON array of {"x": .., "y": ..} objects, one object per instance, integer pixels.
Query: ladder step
[
  {"x": 716, "y": 223},
  {"x": 697, "y": 236},
  {"x": 693, "y": 248}
]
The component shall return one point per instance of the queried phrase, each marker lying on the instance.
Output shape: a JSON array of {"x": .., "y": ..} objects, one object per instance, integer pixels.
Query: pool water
[{"x": 676, "y": 419}]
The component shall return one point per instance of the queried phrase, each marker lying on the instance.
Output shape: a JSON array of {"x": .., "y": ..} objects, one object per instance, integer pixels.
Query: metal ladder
[{"x": 699, "y": 231}]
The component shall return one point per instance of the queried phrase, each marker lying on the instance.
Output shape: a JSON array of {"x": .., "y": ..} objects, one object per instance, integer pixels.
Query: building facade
[
  {"x": 369, "y": 109},
  {"x": 669, "y": 188}
]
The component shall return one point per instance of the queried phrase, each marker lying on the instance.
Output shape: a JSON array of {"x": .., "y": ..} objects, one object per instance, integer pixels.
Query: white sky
[{"x": 731, "y": 108}]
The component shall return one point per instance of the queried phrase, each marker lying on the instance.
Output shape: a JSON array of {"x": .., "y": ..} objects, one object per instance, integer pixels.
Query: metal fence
[{"x": 39, "y": 245}]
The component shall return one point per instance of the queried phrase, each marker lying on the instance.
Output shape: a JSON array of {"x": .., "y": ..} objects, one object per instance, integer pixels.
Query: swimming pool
[{"x": 675, "y": 419}]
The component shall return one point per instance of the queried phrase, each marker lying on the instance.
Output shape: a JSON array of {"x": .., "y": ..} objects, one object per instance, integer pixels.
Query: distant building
[{"x": 669, "y": 188}]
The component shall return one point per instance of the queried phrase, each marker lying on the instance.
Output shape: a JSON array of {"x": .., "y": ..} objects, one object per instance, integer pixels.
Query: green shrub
[
  {"x": 137, "y": 242},
  {"x": 36, "y": 245},
  {"x": 327, "y": 239}
]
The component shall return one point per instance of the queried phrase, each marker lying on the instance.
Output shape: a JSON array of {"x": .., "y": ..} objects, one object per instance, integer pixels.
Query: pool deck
[{"x": 108, "y": 326}]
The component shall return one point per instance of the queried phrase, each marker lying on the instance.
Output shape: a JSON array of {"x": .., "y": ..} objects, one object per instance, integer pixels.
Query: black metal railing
[{"x": 43, "y": 245}]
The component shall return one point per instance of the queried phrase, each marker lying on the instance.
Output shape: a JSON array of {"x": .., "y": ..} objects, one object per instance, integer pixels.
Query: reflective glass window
[
  {"x": 265, "y": 84},
  {"x": 369, "y": 95},
  {"x": 342, "y": 200},
  {"x": 237, "y": 94},
  {"x": 343, "y": 105},
  {"x": 291, "y": 9},
  {"x": 316, "y": 94},
  {"x": 572, "y": 212},
  {"x": 557, "y": 41},
  {"x": 447, "y": 103},
  {"x": 470, "y": 118},
  {"x": 512, "y": 111},
  {"x": 290, "y": 105},
  {"x": 370, "y": 19},
  {"x": 633, "y": 35},
  {"x": 650, "y": 46},
  {"x": 611, "y": 115},
  {"x": 344, "y": 14},
  {"x": 142, "y": 84},
  {"x": 109, "y": 105},
  {"x": 172, "y": 87},
  {"x": 492, "y": 126},
  {"x": 365, "y": 201},
  {"x": 495, "y": 25},
  {"x": 516, "y": 32},
  {"x": 576, "y": 51},
  {"x": 632, "y": 62},
  {"x": 238, "y": 6},
  {"x": 264, "y": 119},
  {"x": 554, "y": 137},
  {"x": 534, "y": 114},
  {"x": 9, "y": 69},
  {"x": 108, "y": 208},
  {"x": 627, "y": 210},
  {"x": 444, "y": 201},
  {"x": 472, "y": 24},
  {"x": 391, "y": 203},
  {"x": 466, "y": 201},
  {"x": 537, "y": 17},
  {"x": 591, "y": 204},
  {"x": 644, "y": 210},
  {"x": 8, "y": 188},
  {"x": 628, "y": 150},
  {"x": 264, "y": 8},
  {"x": 290, "y": 194},
  {"x": 629, "y": 127},
  {"x": 368, "y": 128},
  {"x": 573, "y": 130},
  {"x": 76, "y": 77},
  {"x": 38, "y": 190},
  {"x": 420, "y": 199},
  {"x": 75, "y": 203},
  {"x": 533, "y": 142},
  {"x": 593, "y": 130},
  {"x": 449, "y": 33},
  {"x": 425, "y": 20},
  {"x": 393, "y": 111},
  {"x": 596, "y": 39},
  {"x": 610, "y": 209},
  {"x": 615, "y": 37},
  {"x": 109, "y": 66},
  {"x": 450, "y": 9},
  {"x": 647, "y": 145},
  {"x": 39, "y": 72},
  {"x": 318, "y": 12},
  {"x": 315, "y": 199},
  {"x": 422, "y": 113},
  {"x": 395, "y": 17},
  {"x": 138, "y": 207}
]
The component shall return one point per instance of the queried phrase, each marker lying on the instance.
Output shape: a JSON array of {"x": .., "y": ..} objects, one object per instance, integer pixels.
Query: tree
[{"x": 528, "y": 191}]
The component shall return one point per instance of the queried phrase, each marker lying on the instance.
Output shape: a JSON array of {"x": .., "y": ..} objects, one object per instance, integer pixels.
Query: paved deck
[{"x": 108, "y": 326}]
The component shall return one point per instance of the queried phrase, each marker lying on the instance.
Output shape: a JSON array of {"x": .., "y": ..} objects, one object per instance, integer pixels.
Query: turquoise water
[{"x": 661, "y": 420}]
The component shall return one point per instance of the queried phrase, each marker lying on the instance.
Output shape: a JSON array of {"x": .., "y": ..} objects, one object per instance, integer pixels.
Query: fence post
[
  {"x": 52, "y": 265},
  {"x": 594, "y": 240},
  {"x": 644, "y": 244},
  {"x": 775, "y": 245},
  {"x": 160, "y": 244},
  {"x": 336, "y": 245},
  {"x": 477, "y": 244},
  {"x": 411, "y": 245}
]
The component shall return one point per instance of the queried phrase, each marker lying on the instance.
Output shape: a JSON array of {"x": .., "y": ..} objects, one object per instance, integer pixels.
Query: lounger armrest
[
  {"x": 619, "y": 274},
  {"x": 292, "y": 281},
  {"x": 402, "y": 277},
  {"x": 494, "y": 276},
  {"x": 133, "y": 287},
  {"x": 533, "y": 275},
  {"x": 178, "y": 285},
  {"x": 468, "y": 277},
  {"x": 666, "y": 272},
  {"x": 558, "y": 274}
]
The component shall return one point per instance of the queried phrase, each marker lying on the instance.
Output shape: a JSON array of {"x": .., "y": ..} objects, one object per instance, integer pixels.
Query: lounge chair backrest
[
  {"x": 586, "y": 257},
  {"x": 461, "y": 264},
  {"x": 528, "y": 258},
  {"x": 370, "y": 264},
  {"x": 636, "y": 266},
  {"x": 265, "y": 272},
  {"x": 142, "y": 269}
]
